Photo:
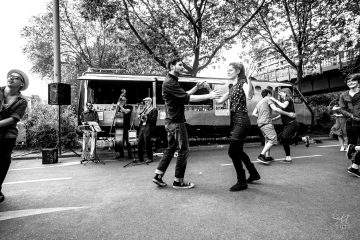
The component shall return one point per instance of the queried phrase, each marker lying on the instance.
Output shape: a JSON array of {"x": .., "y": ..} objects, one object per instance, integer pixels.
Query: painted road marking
[
  {"x": 30, "y": 212},
  {"x": 277, "y": 159},
  {"x": 325, "y": 146},
  {"x": 39, "y": 180},
  {"x": 57, "y": 165}
]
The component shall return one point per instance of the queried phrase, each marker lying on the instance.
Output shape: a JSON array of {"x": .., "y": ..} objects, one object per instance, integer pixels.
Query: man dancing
[
  {"x": 175, "y": 98},
  {"x": 263, "y": 112}
]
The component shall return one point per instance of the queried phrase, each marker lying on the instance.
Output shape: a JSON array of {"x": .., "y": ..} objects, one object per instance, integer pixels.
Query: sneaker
[
  {"x": 238, "y": 187},
  {"x": 158, "y": 180},
  {"x": 261, "y": 158},
  {"x": 269, "y": 159},
  {"x": 350, "y": 151},
  {"x": 183, "y": 185},
  {"x": 2, "y": 197},
  {"x": 354, "y": 171},
  {"x": 342, "y": 149},
  {"x": 287, "y": 160},
  {"x": 149, "y": 161},
  {"x": 253, "y": 177}
]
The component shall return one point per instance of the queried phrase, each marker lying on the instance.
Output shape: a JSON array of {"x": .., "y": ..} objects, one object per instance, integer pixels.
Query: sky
[{"x": 14, "y": 15}]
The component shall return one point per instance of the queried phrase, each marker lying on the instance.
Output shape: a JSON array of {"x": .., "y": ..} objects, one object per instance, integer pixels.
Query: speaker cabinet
[{"x": 59, "y": 94}]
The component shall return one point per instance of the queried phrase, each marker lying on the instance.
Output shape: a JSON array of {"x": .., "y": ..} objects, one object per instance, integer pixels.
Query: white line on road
[
  {"x": 52, "y": 166},
  {"x": 325, "y": 146},
  {"x": 39, "y": 180},
  {"x": 29, "y": 212},
  {"x": 277, "y": 159}
]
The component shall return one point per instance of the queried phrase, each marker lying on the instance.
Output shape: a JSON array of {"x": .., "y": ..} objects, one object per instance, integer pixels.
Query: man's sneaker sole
[
  {"x": 286, "y": 161},
  {"x": 263, "y": 162},
  {"x": 160, "y": 184},
  {"x": 356, "y": 175},
  {"x": 350, "y": 151},
  {"x": 191, "y": 185}
]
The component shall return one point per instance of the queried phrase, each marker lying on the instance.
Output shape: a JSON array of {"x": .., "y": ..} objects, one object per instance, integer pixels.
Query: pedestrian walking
[
  {"x": 12, "y": 109},
  {"x": 175, "y": 98},
  {"x": 239, "y": 89}
]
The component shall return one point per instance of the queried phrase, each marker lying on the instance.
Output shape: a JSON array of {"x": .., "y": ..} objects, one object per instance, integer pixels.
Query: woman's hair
[
  {"x": 353, "y": 77},
  {"x": 241, "y": 68}
]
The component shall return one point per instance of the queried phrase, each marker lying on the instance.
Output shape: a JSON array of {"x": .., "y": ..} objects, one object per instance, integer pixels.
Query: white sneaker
[
  {"x": 342, "y": 149},
  {"x": 287, "y": 159}
]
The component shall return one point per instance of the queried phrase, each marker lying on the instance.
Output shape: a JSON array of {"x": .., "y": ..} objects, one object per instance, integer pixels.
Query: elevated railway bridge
[{"x": 326, "y": 77}]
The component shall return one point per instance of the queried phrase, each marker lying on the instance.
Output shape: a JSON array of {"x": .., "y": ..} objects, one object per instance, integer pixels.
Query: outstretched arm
[
  {"x": 276, "y": 118},
  {"x": 281, "y": 104},
  {"x": 7, "y": 121},
  {"x": 223, "y": 98},
  {"x": 214, "y": 94},
  {"x": 282, "y": 112},
  {"x": 255, "y": 112},
  {"x": 249, "y": 89}
]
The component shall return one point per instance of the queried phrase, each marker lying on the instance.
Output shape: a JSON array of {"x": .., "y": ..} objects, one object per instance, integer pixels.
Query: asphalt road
[{"x": 312, "y": 198}]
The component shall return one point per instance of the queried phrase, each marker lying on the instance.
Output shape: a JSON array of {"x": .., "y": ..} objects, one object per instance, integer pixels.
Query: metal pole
[{"x": 57, "y": 66}]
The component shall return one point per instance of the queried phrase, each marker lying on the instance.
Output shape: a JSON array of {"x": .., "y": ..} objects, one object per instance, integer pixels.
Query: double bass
[{"x": 118, "y": 123}]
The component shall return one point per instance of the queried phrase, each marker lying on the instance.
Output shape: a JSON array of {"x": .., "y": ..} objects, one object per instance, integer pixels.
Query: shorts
[{"x": 269, "y": 133}]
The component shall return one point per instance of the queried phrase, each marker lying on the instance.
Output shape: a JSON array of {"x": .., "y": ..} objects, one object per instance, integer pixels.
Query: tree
[
  {"x": 193, "y": 29},
  {"x": 296, "y": 30},
  {"x": 84, "y": 43}
]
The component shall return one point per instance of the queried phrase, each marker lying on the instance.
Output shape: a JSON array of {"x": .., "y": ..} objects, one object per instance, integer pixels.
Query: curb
[{"x": 21, "y": 155}]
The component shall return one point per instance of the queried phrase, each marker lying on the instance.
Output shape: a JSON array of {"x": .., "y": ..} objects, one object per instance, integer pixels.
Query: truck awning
[{"x": 146, "y": 78}]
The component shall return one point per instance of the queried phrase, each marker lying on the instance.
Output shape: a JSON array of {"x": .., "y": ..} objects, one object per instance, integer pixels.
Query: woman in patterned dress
[{"x": 239, "y": 89}]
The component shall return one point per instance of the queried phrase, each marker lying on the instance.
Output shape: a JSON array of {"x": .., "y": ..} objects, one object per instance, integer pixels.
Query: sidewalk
[{"x": 26, "y": 154}]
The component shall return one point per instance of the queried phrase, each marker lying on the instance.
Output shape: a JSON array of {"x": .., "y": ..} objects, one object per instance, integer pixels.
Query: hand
[
  {"x": 292, "y": 115},
  {"x": 215, "y": 94},
  {"x": 200, "y": 85}
]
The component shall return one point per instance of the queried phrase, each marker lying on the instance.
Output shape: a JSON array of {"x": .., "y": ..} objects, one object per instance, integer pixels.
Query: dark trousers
[
  {"x": 177, "y": 137},
  {"x": 288, "y": 135},
  {"x": 350, "y": 132},
  {"x": 356, "y": 130},
  {"x": 6, "y": 147},
  {"x": 126, "y": 141},
  {"x": 236, "y": 150},
  {"x": 239, "y": 157},
  {"x": 145, "y": 134}
]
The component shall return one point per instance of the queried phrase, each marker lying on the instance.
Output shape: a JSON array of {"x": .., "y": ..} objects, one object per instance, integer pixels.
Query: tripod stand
[
  {"x": 133, "y": 142},
  {"x": 89, "y": 136}
]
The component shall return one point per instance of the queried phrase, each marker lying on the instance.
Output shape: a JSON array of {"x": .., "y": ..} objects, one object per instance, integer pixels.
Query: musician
[
  {"x": 126, "y": 110},
  {"x": 147, "y": 124},
  {"x": 89, "y": 115}
]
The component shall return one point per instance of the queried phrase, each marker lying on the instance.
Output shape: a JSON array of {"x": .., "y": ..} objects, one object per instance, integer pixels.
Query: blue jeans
[{"x": 177, "y": 137}]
